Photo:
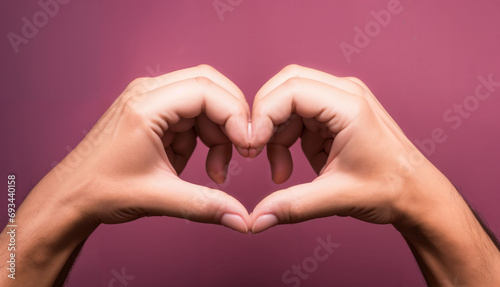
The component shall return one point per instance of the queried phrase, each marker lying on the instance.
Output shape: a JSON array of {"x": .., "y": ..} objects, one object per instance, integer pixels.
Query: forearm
[
  {"x": 48, "y": 231},
  {"x": 485, "y": 227},
  {"x": 449, "y": 243},
  {"x": 64, "y": 273}
]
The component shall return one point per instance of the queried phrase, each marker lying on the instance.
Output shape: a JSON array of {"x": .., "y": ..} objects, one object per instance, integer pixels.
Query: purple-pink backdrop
[{"x": 61, "y": 76}]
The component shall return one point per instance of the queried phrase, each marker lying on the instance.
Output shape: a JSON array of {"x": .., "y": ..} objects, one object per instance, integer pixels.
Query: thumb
[
  {"x": 178, "y": 198},
  {"x": 325, "y": 196}
]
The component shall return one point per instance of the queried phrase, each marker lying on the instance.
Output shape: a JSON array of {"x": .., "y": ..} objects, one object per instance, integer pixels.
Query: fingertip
[
  {"x": 221, "y": 178},
  {"x": 244, "y": 152},
  {"x": 217, "y": 177},
  {"x": 217, "y": 162},
  {"x": 264, "y": 222},
  {"x": 279, "y": 178},
  {"x": 262, "y": 131},
  {"x": 253, "y": 152},
  {"x": 280, "y": 172},
  {"x": 235, "y": 222},
  {"x": 236, "y": 129},
  {"x": 281, "y": 162},
  {"x": 217, "y": 174}
]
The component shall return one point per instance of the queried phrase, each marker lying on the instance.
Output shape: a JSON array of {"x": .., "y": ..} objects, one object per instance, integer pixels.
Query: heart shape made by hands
[{"x": 345, "y": 134}]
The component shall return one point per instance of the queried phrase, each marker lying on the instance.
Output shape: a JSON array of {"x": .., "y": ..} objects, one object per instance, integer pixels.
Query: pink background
[{"x": 427, "y": 59}]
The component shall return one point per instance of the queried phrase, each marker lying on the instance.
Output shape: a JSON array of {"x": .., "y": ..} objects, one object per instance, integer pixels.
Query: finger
[
  {"x": 220, "y": 148},
  {"x": 179, "y": 147},
  {"x": 309, "y": 99},
  {"x": 278, "y": 152},
  {"x": 190, "y": 98},
  {"x": 148, "y": 84},
  {"x": 177, "y": 198},
  {"x": 281, "y": 162},
  {"x": 323, "y": 197},
  {"x": 218, "y": 159},
  {"x": 182, "y": 147},
  {"x": 314, "y": 147},
  {"x": 349, "y": 84},
  {"x": 167, "y": 140},
  {"x": 296, "y": 71}
]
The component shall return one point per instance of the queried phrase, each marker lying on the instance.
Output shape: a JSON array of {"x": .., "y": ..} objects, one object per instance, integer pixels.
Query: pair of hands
[{"x": 127, "y": 167}]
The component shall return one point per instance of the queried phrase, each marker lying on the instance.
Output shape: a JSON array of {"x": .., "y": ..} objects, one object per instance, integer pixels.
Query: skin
[
  {"x": 137, "y": 149},
  {"x": 367, "y": 169}
]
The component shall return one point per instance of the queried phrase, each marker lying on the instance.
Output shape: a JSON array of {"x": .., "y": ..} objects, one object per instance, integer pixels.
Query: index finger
[
  {"x": 190, "y": 98},
  {"x": 149, "y": 84},
  {"x": 309, "y": 99}
]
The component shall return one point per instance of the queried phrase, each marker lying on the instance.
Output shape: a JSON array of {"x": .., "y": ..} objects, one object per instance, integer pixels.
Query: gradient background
[{"x": 427, "y": 59}]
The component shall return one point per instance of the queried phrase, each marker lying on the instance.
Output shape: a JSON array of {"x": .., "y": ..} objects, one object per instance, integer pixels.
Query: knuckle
[
  {"x": 292, "y": 69},
  {"x": 202, "y": 81},
  {"x": 357, "y": 81},
  {"x": 292, "y": 82},
  {"x": 289, "y": 206},
  {"x": 354, "y": 79},
  {"x": 206, "y": 205},
  {"x": 137, "y": 81},
  {"x": 238, "y": 111},
  {"x": 132, "y": 108},
  {"x": 295, "y": 211},
  {"x": 358, "y": 90},
  {"x": 261, "y": 110},
  {"x": 359, "y": 107},
  {"x": 137, "y": 87},
  {"x": 204, "y": 69},
  {"x": 355, "y": 86}
]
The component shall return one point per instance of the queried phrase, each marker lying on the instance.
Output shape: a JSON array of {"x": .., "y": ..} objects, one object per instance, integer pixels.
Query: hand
[
  {"x": 127, "y": 167},
  {"x": 136, "y": 150},
  {"x": 367, "y": 167},
  {"x": 368, "y": 170}
]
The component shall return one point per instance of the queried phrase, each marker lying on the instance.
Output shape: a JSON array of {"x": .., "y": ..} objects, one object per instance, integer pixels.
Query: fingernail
[
  {"x": 252, "y": 153},
  {"x": 264, "y": 222},
  {"x": 242, "y": 151},
  {"x": 234, "y": 222},
  {"x": 219, "y": 177},
  {"x": 250, "y": 132},
  {"x": 224, "y": 173}
]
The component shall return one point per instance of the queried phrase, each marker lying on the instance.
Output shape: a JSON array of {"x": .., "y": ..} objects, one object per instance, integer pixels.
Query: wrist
[
  {"x": 444, "y": 234},
  {"x": 425, "y": 197},
  {"x": 50, "y": 224},
  {"x": 49, "y": 228}
]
